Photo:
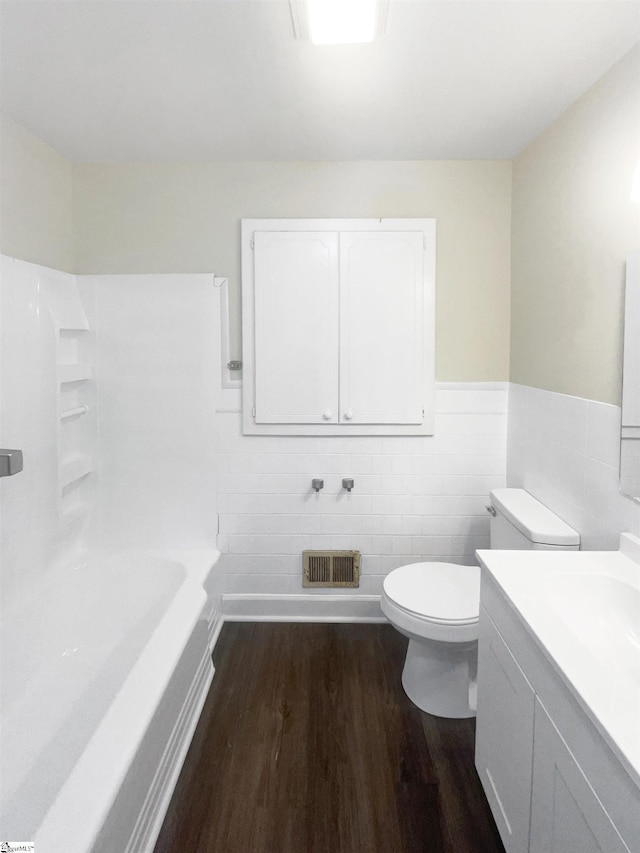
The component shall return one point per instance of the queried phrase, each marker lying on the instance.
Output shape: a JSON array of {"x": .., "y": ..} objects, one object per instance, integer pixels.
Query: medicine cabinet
[{"x": 338, "y": 326}]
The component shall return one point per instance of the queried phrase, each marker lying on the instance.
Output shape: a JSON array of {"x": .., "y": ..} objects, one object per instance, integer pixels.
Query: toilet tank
[{"x": 519, "y": 521}]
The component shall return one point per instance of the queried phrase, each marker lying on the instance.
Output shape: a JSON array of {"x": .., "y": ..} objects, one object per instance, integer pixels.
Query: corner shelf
[
  {"x": 74, "y": 373},
  {"x": 74, "y": 469},
  {"x": 73, "y": 413},
  {"x": 75, "y": 517}
]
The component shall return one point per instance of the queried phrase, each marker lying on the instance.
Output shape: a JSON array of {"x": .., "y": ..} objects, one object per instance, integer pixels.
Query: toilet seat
[
  {"x": 440, "y": 592},
  {"x": 438, "y": 601}
]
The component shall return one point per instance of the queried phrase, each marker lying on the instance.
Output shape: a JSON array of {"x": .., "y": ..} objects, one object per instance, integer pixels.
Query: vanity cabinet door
[
  {"x": 566, "y": 814},
  {"x": 504, "y": 736}
]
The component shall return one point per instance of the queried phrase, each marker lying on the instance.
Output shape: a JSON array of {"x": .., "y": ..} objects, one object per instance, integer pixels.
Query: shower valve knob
[
  {"x": 317, "y": 485},
  {"x": 10, "y": 462},
  {"x": 347, "y": 483}
]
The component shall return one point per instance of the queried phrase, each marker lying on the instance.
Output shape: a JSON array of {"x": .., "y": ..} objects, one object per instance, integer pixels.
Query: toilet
[{"x": 437, "y": 605}]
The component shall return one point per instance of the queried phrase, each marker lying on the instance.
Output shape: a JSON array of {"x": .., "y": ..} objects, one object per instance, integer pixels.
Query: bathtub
[{"x": 104, "y": 673}]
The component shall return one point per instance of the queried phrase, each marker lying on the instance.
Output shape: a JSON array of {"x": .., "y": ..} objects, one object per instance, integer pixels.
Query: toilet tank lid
[{"x": 532, "y": 518}]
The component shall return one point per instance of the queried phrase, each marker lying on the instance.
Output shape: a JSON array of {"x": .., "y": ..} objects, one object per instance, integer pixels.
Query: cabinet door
[
  {"x": 296, "y": 327},
  {"x": 566, "y": 814},
  {"x": 381, "y": 327},
  {"x": 504, "y": 736}
]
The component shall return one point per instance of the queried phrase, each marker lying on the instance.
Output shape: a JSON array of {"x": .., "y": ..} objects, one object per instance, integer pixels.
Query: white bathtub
[{"x": 104, "y": 672}]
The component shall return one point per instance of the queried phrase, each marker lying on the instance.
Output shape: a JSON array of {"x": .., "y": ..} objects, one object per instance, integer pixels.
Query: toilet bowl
[{"x": 437, "y": 606}]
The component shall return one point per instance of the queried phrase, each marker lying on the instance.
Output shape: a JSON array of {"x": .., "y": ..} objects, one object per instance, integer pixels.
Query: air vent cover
[{"x": 330, "y": 568}]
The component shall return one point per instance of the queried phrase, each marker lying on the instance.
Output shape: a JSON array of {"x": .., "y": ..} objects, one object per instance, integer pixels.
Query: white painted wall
[
  {"x": 185, "y": 218},
  {"x": 36, "y": 199},
  {"x": 573, "y": 224}
]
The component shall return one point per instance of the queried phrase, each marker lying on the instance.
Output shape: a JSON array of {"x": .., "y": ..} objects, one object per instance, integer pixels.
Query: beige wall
[
  {"x": 573, "y": 224},
  {"x": 36, "y": 217},
  {"x": 186, "y": 218}
]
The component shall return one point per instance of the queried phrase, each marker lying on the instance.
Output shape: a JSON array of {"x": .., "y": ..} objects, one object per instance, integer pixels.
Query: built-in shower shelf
[
  {"x": 74, "y": 413},
  {"x": 75, "y": 468},
  {"x": 74, "y": 373},
  {"x": 74, "y": 508},
  {"x": 75, "y": 516}
]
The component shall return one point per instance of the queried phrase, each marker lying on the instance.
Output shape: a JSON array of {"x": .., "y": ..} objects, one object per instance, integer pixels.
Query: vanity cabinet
[
  {"x": 338, "y": 326},
  {"x": 504, "y": 736},
  {"x": 553, "y": 783},
  {"x": 566, "y": 814}
]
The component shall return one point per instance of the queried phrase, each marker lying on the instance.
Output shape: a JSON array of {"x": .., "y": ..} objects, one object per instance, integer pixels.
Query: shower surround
[{"x": 108, "y": 545}]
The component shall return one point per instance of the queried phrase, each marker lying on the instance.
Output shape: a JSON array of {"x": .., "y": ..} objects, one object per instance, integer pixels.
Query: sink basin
[{"x": 603, "y": 613}]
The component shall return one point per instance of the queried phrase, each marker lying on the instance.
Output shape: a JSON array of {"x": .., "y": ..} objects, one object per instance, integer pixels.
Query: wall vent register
[
  {"x": 330, "y": 568},
  {"x": 338, "y": 326}
]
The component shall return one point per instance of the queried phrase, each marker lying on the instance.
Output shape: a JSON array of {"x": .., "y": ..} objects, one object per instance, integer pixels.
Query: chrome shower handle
[{"x": 10, "y": 462}]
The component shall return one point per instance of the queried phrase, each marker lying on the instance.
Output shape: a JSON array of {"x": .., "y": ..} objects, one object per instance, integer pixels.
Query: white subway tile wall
[
  {"x": 415, "y": 498},
  {"x": 631, "y": 466},
  {"x": 565, "y": 451}
]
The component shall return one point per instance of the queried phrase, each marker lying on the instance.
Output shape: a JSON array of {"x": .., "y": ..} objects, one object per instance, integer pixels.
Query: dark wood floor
[{"x": 308, "y": 744}]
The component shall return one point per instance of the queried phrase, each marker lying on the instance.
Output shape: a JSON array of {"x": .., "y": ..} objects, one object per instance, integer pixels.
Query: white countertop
[{"x": 583, "y": 609}]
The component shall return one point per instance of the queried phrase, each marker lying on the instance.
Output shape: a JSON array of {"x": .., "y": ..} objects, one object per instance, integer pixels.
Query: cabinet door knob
[
  {"x": 327, "y": 414},
  {"x": 348, "y": 414}
]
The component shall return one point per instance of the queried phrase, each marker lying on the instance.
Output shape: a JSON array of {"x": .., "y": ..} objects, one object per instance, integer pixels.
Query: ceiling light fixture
[{"x": 339, "y": 21}]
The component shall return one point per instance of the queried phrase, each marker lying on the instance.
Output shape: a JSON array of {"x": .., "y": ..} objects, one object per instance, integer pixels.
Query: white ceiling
[{"x": 127, "y": 80}]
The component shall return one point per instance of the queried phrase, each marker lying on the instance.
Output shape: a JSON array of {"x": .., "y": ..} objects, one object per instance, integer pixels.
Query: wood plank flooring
[{"x": 308, "y": 744}]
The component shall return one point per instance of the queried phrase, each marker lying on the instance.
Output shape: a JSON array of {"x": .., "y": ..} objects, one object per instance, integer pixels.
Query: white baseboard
[
  {"x": 215, "y": 626},
  {"x": 301, "y": 608}
]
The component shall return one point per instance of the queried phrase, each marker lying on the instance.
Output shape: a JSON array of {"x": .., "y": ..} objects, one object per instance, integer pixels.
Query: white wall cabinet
[
  {"x": 338, "y": 326},
  {"x": 552, "y": 782}
]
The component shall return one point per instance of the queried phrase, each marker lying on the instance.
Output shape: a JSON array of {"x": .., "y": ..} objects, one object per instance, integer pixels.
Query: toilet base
[{"x": 440, "y": 678}]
